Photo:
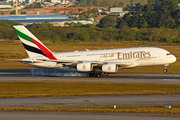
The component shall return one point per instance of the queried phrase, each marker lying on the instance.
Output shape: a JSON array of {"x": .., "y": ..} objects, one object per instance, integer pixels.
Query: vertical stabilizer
[{"x": 33, "y": 46}]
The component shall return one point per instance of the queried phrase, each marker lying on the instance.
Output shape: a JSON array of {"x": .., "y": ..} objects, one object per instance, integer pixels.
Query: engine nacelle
[
  {"x": 85, "y": 67},
  {"x": 109, "y": 68}
]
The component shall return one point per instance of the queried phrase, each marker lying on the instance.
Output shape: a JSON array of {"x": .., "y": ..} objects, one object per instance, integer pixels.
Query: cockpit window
[{"x": 168, "y": 54}]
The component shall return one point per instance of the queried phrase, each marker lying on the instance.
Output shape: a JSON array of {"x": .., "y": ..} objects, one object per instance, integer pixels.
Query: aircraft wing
[
  {"x": 95, "y": 63},
  {"x": 125, "y": 64}
]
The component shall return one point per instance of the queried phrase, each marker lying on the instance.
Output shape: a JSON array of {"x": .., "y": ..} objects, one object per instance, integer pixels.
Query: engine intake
[
  {"x": 85, "y": 67},
  {"x": 109, "y": 68}
]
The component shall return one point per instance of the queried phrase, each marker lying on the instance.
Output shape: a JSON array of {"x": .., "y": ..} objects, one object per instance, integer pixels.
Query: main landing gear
[
  {"x": 93, "y": 75},
  {"x": 96, "y": 74}
]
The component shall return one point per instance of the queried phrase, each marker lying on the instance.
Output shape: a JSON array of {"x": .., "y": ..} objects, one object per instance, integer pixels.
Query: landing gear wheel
[
  {"x": 95, "y": 75},
  {"x": 98, "y": 75},
  {"x": 91, "y": 75},
  {"x": 106, "y": 74},
  {"x": 165, "y": 70},
  {"x": 87, "y": 75}
]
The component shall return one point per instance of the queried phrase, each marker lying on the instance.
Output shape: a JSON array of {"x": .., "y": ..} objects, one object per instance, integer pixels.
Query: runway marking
[{"x": 172, "y": 79}]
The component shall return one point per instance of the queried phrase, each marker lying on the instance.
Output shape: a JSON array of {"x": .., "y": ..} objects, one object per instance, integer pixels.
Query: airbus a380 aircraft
[{"x": 95, "y": 62}]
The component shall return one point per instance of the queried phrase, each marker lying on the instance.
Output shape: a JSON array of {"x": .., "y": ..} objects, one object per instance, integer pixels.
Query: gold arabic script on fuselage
[{"x": 129, "y": 55}]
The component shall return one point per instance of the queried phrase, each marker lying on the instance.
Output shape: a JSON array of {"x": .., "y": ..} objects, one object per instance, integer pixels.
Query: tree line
[
  {"x": 164, "y": 14},
  {"x": 91, "y": 33},
  {"x": 112, "y": 3},
  {"x": 155, "y": 2}
]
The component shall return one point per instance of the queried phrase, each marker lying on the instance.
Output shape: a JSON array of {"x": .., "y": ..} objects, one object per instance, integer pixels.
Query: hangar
[
  {"x": 57, "y": 20},
  {"x": 36, "y": 18}
]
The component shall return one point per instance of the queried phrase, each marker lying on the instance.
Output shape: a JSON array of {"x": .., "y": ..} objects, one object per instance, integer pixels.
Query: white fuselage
[{"x": 142, "y": 56}]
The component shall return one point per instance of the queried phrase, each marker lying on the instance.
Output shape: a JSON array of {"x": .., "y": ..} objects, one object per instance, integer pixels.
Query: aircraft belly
[{"x": 145, "y": 62}]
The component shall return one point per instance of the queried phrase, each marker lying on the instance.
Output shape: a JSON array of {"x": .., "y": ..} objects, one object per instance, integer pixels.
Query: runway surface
[
  {"x": 85, "y": 101},
  {"x": 112, "y": 78}
]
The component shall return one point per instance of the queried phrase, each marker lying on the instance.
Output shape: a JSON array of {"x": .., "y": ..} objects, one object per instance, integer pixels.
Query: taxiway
[{"x": 92, "y": 101}]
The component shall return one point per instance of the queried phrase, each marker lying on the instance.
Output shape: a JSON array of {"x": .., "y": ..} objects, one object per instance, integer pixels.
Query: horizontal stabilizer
[{"x": 25, "y": 60}]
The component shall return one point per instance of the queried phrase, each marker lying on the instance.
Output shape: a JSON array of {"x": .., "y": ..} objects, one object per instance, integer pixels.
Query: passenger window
[{"x": 168, "y": 54}]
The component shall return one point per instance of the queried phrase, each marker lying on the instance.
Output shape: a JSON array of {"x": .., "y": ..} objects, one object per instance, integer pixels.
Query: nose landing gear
[{"x": 165, "y": 68}]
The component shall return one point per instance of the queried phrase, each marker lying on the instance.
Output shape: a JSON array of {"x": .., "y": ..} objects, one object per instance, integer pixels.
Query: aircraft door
[
  {"x": 160, "y": 57},
  {"x": 63, "y": 57},
  {"x": 83, "y": 56}
]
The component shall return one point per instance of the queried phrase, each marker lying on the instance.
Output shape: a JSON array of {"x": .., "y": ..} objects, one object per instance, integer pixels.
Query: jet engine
[
  {"x": 84, "y": 67},
  {"x": 109, "y": 68}
]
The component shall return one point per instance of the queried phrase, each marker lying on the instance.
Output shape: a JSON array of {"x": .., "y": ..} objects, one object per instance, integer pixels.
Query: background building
[
  {"x": 29, "y": 19},
  {"x": 29, "y": 1},
  {"x": 57, "y": 20},
  {"x": 5, "y": 5},
  {"x": 116, "y": 10}
]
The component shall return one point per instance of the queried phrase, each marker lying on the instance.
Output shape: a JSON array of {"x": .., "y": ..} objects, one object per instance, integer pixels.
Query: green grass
[
  {"x": 127, "y": 109},
  {"x": 32, "y": 89}
]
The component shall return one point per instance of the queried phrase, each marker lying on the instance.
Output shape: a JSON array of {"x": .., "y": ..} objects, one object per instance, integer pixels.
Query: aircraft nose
[{"x": 173, "y": 58}]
